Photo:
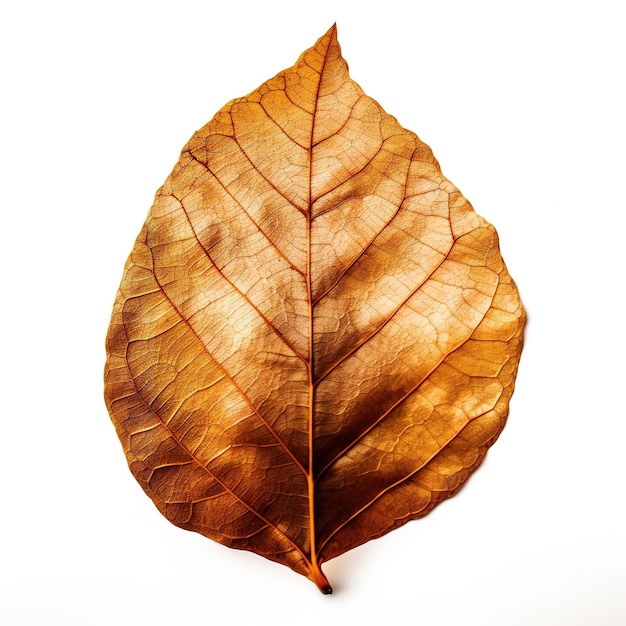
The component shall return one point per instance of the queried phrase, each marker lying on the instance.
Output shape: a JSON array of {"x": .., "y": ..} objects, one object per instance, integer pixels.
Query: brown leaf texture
[{"x": 315, "y": 339}]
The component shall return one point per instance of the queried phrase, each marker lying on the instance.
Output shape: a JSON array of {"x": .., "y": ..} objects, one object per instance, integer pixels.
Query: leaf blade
[{"x": 315, "y": 339}]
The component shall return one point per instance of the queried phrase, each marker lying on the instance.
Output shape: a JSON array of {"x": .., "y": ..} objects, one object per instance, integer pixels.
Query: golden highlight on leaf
[{"x": 315, "y": 339}]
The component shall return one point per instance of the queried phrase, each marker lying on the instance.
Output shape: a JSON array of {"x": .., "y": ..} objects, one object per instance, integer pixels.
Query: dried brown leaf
[{"x": 315, "y": 339}]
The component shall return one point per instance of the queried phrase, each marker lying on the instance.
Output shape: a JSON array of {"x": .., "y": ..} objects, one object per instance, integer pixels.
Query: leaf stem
[{"x": 319, "y": 578}]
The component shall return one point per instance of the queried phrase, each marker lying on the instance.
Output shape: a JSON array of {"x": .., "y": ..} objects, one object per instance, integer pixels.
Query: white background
[{"x": 523, "y": 104}]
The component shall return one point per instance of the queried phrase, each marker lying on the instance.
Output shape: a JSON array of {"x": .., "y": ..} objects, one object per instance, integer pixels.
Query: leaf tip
[{"x": 331, "y": 33}]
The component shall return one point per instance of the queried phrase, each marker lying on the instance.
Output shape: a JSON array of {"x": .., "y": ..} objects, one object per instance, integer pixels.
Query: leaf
[{"x": 315, "y": 339}]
